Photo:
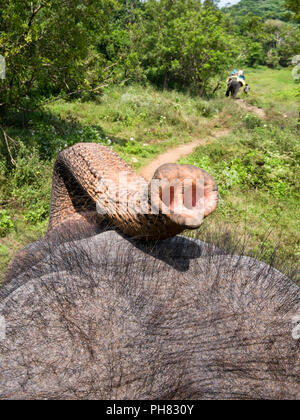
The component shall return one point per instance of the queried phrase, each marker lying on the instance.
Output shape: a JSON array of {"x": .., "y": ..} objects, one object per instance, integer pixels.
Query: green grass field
[
  {"x": 258, "y": 180},
  {"x": 274, "y": 90},
  {"x": 256, "y": 166}
]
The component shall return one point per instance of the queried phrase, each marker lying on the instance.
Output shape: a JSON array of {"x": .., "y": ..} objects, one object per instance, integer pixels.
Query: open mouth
[
  {"x": 183, "y": 201},
  {"x": 185, "y": 193}
]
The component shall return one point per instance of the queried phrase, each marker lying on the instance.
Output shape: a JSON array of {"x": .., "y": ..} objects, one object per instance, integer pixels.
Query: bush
[
  {"x": 6, "y": 224},
  {"x": 28, "y": 185},
  {"x": 260, "y": 157},
  {"x": 251, "y": 121}
]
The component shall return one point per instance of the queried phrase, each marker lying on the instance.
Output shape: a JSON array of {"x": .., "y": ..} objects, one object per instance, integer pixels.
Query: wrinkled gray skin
[{"x": 108, "y": 318}]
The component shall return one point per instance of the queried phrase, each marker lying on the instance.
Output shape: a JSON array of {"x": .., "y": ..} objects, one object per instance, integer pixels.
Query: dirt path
[
  {"x": 258, "y": 111},
  {"x": 173, "y": 155}
]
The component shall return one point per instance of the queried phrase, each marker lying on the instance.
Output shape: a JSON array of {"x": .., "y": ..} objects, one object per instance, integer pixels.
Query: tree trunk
[{"x": 166, "y": 81}]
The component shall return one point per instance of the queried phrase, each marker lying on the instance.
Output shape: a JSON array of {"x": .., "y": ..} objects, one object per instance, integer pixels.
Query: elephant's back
[
  {"x": 101, "y": 251},
  {"x": 105, "y": 317}
]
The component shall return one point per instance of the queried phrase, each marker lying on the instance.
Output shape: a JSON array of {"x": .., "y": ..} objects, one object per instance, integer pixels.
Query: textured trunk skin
[
  {"x": 80, "y": 180},
  {"x": 105, "y": 317},
  {"x": 88, "y": 173}
]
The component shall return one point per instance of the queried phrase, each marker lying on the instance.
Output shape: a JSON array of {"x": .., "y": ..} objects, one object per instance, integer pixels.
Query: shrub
[
  {"x": 251, "y": 121},
  {"x": 6, "y": 224},
  {"x": 264, "y": 158}
]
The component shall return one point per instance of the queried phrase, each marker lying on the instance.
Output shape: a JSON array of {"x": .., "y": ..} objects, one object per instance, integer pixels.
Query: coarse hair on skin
[{"x": 95, "y": 315}]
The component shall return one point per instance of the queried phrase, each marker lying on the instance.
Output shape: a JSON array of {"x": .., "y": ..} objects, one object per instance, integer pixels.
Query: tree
[
  {"x": 118, "y": 43},
  {"x": 272, "y": 42},
  {"x": 289, "y": 44},
  {"x": 211, "y": 3},
  {"x": 294, "y": 5},
  {"x": 266, "y": 9},
  {"x": 207, "y": 50},
  {"x": 43, "y": 55},
  {"x": 184, "y": 43}
]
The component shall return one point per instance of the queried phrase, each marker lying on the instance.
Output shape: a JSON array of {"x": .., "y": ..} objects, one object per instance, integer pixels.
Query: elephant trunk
[{"x": 88, "y": 175}]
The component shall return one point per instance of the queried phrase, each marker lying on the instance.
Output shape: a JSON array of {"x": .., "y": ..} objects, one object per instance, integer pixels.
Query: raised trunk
[{"x": 87, "y": 174}]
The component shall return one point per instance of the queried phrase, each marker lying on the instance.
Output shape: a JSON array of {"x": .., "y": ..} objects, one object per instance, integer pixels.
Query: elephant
[
  {"x": 89, "y": 312},
  {"x": 233, "y": 87}
]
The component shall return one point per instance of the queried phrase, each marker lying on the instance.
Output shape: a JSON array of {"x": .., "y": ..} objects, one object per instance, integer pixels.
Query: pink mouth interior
[{"x": 180, "y": 203}]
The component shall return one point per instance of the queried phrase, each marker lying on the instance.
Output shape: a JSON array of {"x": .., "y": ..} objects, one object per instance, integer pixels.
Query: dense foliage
[
  {"x": 266, "y": 9},
  {"x": 267, "y": 30},
  {"x": 294, "y": 5},
  {"x": 172, "y": 43},
  {"x": 184, "y": 43},
  {"x": 44, "y": 56},
  {"x": 270, "y": 43}
]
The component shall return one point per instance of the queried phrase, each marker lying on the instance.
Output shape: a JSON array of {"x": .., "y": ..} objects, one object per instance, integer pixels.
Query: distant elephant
[
  {"x": 233, "y": 88},
  {"x": 89, "y": 312}
]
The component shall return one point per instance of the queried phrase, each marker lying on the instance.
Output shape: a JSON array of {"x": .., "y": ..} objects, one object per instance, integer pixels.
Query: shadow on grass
[{"x": 49, "y": 134}]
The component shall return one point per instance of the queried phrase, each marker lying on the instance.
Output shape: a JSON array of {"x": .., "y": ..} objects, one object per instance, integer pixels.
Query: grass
[
  {"x": 141, "y": 122},
  {"x": 257, "y": 172},
  {"x": 255, "y": 166},
  {"x": 274, "y": 90}
]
